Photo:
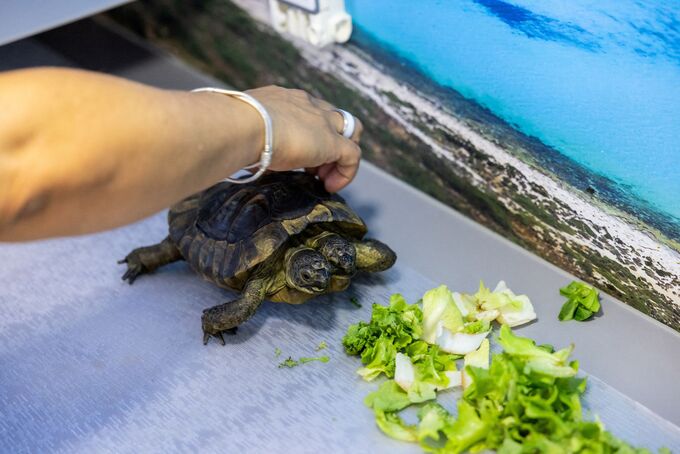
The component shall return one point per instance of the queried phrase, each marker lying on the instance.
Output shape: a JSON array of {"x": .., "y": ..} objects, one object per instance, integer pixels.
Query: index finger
[{"x": 338, "y": 174}]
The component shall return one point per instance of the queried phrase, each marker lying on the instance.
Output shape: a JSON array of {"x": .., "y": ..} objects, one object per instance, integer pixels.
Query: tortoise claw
[
  {"x": 135, "y": 267},
  {"x": 133, "y": 272},
  {"x": 218, "y": 335}
]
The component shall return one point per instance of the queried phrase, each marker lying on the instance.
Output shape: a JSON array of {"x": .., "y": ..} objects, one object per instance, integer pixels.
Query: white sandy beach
[{"x": 367, "y": 78}]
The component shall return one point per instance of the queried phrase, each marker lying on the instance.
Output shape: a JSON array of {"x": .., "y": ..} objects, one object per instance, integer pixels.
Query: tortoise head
[
  {"x": 339, "y": 252},
  {"x": 307, "y": 270}
]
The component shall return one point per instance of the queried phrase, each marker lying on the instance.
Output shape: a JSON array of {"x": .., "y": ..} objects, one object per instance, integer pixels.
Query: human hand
[{"x": 308, "y": 134}]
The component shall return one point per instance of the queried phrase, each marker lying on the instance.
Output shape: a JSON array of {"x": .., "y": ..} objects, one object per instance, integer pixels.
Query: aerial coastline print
[{"x": 553, "y": 123}]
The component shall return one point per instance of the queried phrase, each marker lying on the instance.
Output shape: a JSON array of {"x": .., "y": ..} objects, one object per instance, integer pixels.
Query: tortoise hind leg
[
  {"x": 373, "y": 256},
  {"x": 147, "y": 259},
  {"x": 225, "y": 318}
]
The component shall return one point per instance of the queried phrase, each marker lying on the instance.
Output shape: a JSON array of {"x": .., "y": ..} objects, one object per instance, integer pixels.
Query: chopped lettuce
[
  {"x": 388, "y": 397},
  {"x": 392, "y": 425},
  {"x": 535, "y": 359},
  {"x": 428, "y": 372},
  {"x": 512, "y": 409},
  {"x": 290, "y": 362},
  {"x": 465, "y": 303},
  {"x": 391, "y": 329},
  {"x": 379, "y": 359},
  {"x": 322, "y": 346},
  {"x": 476, "y": 327},
  {"x": 460, "y": 343},
  {"x": 478, "y": 358},
  {"x": 321, "y": 359},
  {"x": 513, "y": 310},
  {"x": 582, "y": 302},
  {"x": 439, "y": 311},
  {"x": 466, "y": 430},
  {"x": 433, "y": 418},
  {"x": 526, "y": 399}
]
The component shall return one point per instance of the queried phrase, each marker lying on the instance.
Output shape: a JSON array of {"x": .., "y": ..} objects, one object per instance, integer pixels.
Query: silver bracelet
[{"x": 266, "y": 155}]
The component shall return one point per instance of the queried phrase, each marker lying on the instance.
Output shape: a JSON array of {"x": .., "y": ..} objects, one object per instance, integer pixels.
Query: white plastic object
[{"x": 319, "y": 22}]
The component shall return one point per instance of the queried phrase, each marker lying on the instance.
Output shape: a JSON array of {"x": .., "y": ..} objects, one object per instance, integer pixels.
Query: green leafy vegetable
[
  {"x": 392, "y": 425},
  {"x": 439, "y": 310},
  {"x": 322, "y": 346},
  {"x": 433, "y": 418},
  {"x": 277, "y": 352},
  {"x": 388, "y": 397},
  {"x": 513, "y": 310},
  {"x": 476, "y": 327},
  {"x": 288, "y": 362},
  {"x": 322, "y": 359},
  {"x": 514, "y": 406},
  {"x": 535, "y": 359},
  {"x": 526, "y": 399},
  {"x": 391, "y": 329},
  {"x": 582, "y": 302}
]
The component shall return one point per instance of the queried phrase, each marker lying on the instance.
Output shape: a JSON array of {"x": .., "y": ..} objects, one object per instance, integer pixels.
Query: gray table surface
[{"x": 88, "y": 363}]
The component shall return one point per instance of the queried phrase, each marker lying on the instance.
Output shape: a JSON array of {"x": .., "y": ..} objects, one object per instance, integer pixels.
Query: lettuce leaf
[
  {"x": 526, "y": 399},
  {"x": 467, "y": 430},
  {"x": 582, "y": 302},
  {"x": 391, "y": 329},
  {"x": 393, "y": 426},
  {"x": 426, "y": 374},
  {"x": 439, "y": 310},
  {"x": 432, "y": 419},
  {"x": 388, "y": 397},
  {"x": 535, "y": 359}
]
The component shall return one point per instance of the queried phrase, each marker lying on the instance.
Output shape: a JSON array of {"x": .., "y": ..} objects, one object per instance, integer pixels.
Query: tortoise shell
[{"x": 228, "y": 229}]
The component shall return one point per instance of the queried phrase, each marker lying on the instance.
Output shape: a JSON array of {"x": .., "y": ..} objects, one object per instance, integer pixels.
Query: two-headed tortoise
[{"x": 281, "y": 237}]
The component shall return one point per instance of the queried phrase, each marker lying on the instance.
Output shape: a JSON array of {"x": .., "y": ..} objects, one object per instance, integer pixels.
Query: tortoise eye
[{"x": 306, "y": 275}]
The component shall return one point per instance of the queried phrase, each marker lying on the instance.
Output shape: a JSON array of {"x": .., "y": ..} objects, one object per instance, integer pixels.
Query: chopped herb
[
  {"x": 322, "y": 346},
  {"x": 355, "y": 301},
  {"x": 322, "y": 359},
  {"x": 289, "y": 362},
  {"x": 277, "y": 352},
  {"x": 582, "y": 302}
]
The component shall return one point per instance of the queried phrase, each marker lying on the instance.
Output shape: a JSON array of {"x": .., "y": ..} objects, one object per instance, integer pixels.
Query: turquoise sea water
[{"x": 598, "y": 80}]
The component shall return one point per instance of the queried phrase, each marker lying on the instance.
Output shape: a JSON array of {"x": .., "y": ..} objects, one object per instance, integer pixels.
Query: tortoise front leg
[
  {"x": 147, "y": 259},
  {"x": 373, "y": 256},
  {"x": 228, "y": 316}
]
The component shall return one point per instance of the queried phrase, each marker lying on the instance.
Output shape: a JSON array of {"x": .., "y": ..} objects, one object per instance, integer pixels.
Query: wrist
[
  {"x": 266, "y": 154},
  {"x": 238, "y": 127}
]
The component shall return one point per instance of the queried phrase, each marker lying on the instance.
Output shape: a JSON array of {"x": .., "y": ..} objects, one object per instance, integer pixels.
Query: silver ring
[{"x": 348, "y": 123}]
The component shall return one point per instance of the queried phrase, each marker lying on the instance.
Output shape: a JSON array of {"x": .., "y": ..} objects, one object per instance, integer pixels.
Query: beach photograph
[
  {"x": 343, "y": 226},
  {"x": 556, "y": 128}
]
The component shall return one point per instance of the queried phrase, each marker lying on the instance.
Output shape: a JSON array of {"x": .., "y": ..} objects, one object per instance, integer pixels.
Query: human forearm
[{"x": 76, "y": 147}]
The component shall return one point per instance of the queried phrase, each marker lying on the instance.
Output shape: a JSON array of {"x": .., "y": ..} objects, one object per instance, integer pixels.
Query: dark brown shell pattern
[{"x": 228, "y": 229}]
